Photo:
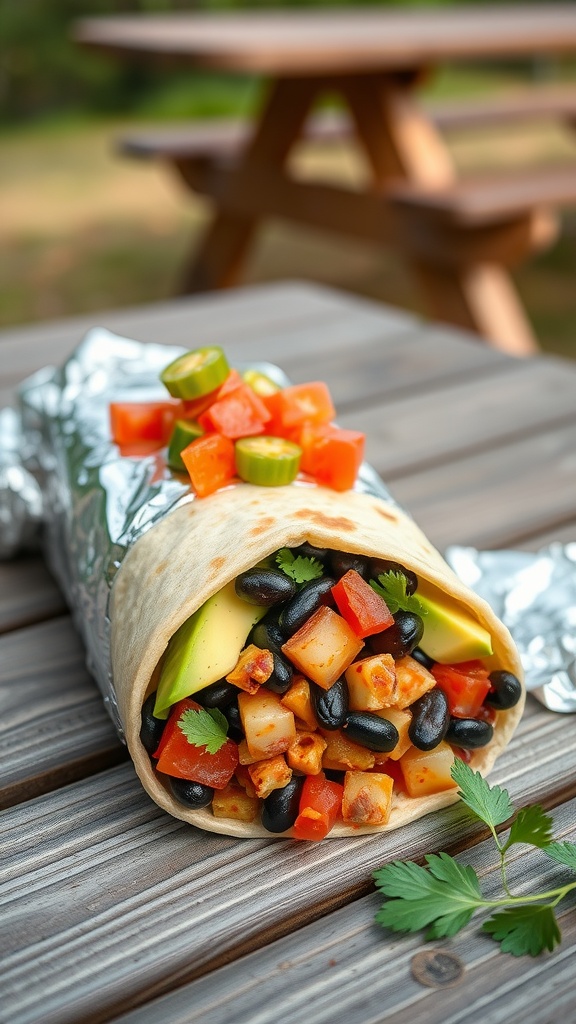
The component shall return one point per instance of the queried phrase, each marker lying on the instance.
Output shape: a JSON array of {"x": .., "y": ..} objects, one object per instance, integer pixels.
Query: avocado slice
[
  {"x": 451, "y": 634},
  {"x": 205, "y": 647}
]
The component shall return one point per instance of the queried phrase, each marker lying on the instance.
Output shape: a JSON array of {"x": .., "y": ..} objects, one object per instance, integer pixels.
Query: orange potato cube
[
  {"x": 412, "y": 680},
  {"x": 253, "y": 668},
  {"x": 243, "y": 779},
  {"x": 323, "y": 647},
  {"x": 372, "y": 683},
  {"x": 269, "y": 728},
  {"x": 297, "y": 700},
  {"x": 400, "y": 719},
  {"x": 343, "y": 754},
  {"x": 428, "y": 771},
  {"x": 305, "y": 754},
  {"x": 234, "y": 802},
  {"x": 269, "y": 775},
  {"x": 367, "y": 798}
]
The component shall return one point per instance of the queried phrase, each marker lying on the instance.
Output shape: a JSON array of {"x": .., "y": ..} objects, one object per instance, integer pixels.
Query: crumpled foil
[{"x": 58, "y": 464}]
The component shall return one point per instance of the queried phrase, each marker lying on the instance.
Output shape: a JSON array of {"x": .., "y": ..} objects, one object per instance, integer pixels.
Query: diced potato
[
  {"x": 412, "y": 680},
  {"x": 372, "y": 683},
  {"x": 243, "y": 779},
  {"x": 244, "y": 755},
  {"x": 269, "y": 727},
  {"x": 401, "y": 720},
  {"x": 367, "y": 798},
  {"x": 234, "y": 802},
  {"x": 343, "y": 754},
  {"x": 253, "y": 668},
  {"x": 428, "y": 771},
  {"x": 323, "y": 647},
  {"x": 297, "y": 700},
  {"x": 268, "y": 775},
  {"x": 305, "y": 754}
]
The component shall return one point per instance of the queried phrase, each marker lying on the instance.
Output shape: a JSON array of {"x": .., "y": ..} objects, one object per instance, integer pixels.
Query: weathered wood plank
[
  {"x": 28, "y": 593},
  {"x": 113, "y": 902},
  {"x": 499, "y": 497},
  {"x": 344, "y": 967},
  {"x": 53, "y": 724}
]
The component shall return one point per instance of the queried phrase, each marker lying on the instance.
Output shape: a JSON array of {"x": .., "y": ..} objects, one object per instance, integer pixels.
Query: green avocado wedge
[
  {"x": 450, "y": 634},
  {"x": 205, "y": 647}
]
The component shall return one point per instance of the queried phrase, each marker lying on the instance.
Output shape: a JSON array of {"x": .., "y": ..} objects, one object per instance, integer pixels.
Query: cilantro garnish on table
[
  {"x": 392, "y": 587},
  {"x": 207, "y": 727},
  {"x": 443, "y": 896},
  {"x": 299, "y": 568}
]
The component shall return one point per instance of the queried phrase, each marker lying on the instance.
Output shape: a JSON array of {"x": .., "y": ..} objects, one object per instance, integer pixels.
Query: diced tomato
[
  {"x": 240, "y": 413},
  {"x": 320, "y": 805},
  {"x": 183, "y": 760},
  {"x": 364, "y": 610},
  {"x": 394, "y": 770},
  {"x": 194, "y": 407},
  {"x": 132, "y": 422},
  {"x": 210, "y": 463},
  {"x": 305, "y": 403},
  {"x": 332, "y": 455},
  {"x": 465, "y": 684}
]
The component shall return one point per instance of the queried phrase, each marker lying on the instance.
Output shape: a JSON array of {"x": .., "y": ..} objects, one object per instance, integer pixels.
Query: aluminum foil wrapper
[
  {"x": 95, "y": 501},
  {"x": 58, "y": 464},
  {"x": 535, "y": 596}
]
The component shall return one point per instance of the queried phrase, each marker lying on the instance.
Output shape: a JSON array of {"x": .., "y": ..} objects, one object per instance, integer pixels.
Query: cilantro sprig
[
  {"x": 299, "y": 568},
  {"x": 392, "y": 587},
  {"x": 206, "y": 727},
  {"x": 443, "y": 896}
]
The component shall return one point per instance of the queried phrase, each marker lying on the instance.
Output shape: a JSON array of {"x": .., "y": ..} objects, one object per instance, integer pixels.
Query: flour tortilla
[{"x": 192, "y": 553}]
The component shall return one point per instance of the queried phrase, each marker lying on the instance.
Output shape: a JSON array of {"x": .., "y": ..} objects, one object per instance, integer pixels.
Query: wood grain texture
[
  {"x": 53, "y": 725},
  {"x": 345, "y": 967},
  {"x": 28, "y": 593},
  {"x": 114, "y": 902}
]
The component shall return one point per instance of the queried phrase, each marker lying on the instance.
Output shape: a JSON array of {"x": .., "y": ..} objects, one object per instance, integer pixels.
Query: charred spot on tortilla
[
  {"x": 264, "y": 524},
  {"x": 161, "y": 568},
  {"x": 329, "y": 522},
  {"x": 218, "y": 563},
  {"x": 387, "y": 515}
]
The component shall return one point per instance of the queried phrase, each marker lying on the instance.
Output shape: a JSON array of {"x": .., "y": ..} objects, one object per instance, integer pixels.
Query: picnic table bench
[
  {"x": 461, "y": 239},
  {"x": 114, "y": 911}
]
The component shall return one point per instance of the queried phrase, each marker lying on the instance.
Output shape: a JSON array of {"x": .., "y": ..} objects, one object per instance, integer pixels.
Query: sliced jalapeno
[
  {"x": 267, "y": 461},
  {"x": 183, "y": 433},
  {"x": 196, "y": 373},
  {"x": 260, "y": 383}
]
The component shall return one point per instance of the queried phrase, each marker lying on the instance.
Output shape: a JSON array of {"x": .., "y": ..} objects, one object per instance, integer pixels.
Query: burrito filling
[{"x": 315, "y": 687}]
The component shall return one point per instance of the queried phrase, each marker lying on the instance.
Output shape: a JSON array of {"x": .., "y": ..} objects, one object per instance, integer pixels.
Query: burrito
[{"x": 295, "y": 659}]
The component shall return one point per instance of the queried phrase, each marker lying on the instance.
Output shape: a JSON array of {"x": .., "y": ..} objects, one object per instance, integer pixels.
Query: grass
[{"x": 83, "y": 230}]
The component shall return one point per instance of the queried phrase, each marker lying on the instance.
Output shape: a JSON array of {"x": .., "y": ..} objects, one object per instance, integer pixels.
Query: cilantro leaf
[
  {"x": 489, "y": 803},
  {"x": 299, "y": 567},
  {"x": 564, "y": 853},
  {"x": 444, "y": 895},
  {"x": 531, "y": 825},
  {"x": 204, "y": 728},
  {"x": 391, "y": 586},
  {"x": 524, "y": 929}
]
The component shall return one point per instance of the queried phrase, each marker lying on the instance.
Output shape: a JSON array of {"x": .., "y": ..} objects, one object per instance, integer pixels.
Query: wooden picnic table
[
  {"x": 459, "y": 243},
  {"x": 112, "y": 910}
]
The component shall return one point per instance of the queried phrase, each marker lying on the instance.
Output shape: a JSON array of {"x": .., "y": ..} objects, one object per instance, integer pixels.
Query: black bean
[
  {"x": 191, "y": 794},
  {"x": 280, "y": 809},
  {"x": 304, "y": 604},
  {"x": 424, "y": 659},
  {"x": 217, "y": 695},
  {"x": 341, "y": 562},
  {"x": 469, "y": 733},
  {"x": 151, "y": 728},
  {"x": 430, "y": 720},
  {"x": 335, "y": 775},
  {"x": 371, "y": 731},
  {"x": 400, "y": 638},
  {"x": 264, "y": 586},
  {"x": 267, "y": 634},
  {"x": 281, "y": 676},
  {"x": 507, "y": 690},
  {"x": 330, "y": 706},
  {"x": 380, "y": 566},
  {"x": 309, "y": 551},
  {"x": 232, "y": 715}
]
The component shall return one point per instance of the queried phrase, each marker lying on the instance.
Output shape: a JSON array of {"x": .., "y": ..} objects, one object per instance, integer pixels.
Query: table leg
[
  {"x": 218, "y": 261},
  {"x": 402, "y": 143}
]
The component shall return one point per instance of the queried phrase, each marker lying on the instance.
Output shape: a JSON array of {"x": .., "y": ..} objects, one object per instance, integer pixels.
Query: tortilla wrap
[{"x": 198, "y": 548}]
